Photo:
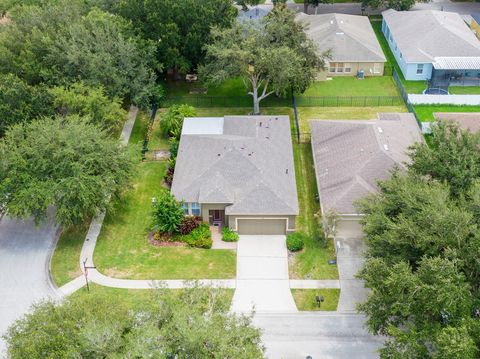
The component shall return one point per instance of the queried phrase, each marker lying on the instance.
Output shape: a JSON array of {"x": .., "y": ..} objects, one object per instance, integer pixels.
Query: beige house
[
  {"x": 352, "y": 43},
  {"x": 351, "y": 156},
  {"x": 238, "y": 171}
]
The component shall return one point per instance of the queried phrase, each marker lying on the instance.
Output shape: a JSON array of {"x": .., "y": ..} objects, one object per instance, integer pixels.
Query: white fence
[{"x": 444, "y": 99}]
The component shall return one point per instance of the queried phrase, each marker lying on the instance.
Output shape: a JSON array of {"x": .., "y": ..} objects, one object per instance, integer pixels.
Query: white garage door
[
  {"x": 262, "y": 226},
  {"x": 349, "y": 229}
]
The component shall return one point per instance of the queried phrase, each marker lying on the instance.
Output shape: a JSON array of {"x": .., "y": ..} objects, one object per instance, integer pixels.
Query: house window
[
  {"x": 347, "y": 67},
  {"x": 419, "y": 69},
  {"x": 391, "y": 38},
  {"x": 195, "y": 209},
  {"x": 332, "y": 66},
  {"x": 400, "y": 55},
  {"x": 376, "y": 68},
  {"x": 339, "y": 66},
  {"x": 185, "y": 208}
]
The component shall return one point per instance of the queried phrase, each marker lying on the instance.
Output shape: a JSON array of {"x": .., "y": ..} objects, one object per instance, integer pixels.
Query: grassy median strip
[{"x": 306, "y": 299}]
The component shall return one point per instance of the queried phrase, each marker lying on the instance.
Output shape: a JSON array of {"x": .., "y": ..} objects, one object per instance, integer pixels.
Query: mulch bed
[{"x": 165, "y": 242}]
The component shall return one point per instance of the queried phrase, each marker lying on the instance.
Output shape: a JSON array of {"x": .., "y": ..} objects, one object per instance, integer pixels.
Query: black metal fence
[
  {"x": 404, "y": 95},
  {"x": 302, "y": 101}
]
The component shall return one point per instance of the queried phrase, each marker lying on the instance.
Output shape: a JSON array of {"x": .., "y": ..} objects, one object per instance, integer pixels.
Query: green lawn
[
  {"x": 231, "y": 87},
  {"x": 425, "y": 112},
  {"x": 305, "y": 299},
  {"x": 465, "y": 90},
  {"x": 351, "y": 86},
  {"x": 130, "y": 297},
  {"x": 66, "y": 258},
  {"x": 410, "y": 86}
]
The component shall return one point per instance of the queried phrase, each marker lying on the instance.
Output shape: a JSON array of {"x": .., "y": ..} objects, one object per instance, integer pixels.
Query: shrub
[
  {"x": 228, "y": 235},
  {"x": 167, "y": 213},
  {"x": 295, "y": 241},
  {"x": 172, "y": 121},
  {"x": 169, "y": 176},
  {"x": 189, "y": 223},
  {"x": 200, "y": 237},
  {"x": 173, "y": 147}
]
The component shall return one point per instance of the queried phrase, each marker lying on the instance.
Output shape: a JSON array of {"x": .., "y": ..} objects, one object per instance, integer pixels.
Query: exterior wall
[
  {"x": 232, "y": 221},
  {"x": 207, "y": 207},
  {"x": 409, "y": 70},
  {"x": 368, "y": 68},
  {"x": 475, "y": 27},
  {"x": 469, "y": 100}
]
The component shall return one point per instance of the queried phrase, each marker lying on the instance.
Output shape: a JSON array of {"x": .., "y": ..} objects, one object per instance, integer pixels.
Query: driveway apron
[
  {"x": 262, "y": 275},
  {"x": 24, "y": 254},
  {"x": 350, "y": 260}
]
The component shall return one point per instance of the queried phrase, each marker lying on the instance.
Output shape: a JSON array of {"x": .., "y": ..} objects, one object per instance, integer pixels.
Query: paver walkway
[
  {"x": 262, "y": 275},
  {"x": 217, "y": 239},
  {"x": 350, "y": 260}
]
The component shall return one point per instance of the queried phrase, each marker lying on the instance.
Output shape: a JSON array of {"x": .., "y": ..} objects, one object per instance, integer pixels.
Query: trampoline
[{"x": 435, "y": 91}]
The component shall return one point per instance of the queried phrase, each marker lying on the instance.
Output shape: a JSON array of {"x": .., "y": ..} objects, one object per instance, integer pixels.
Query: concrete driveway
[
  {"x": 350, "y": 260},
  {"x": 262, "y": 275},
  {"x": 327, "y": 335},
  {"x": 24, "y": 255}
]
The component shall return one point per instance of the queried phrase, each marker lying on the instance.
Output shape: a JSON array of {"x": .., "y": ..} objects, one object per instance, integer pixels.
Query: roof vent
[
  {"x": 260, "y": 123},
  {"x": 218, "y": 154},
  {"x": 286, "y": 171},
  {"x": 331, "y": 22},
  {"x": 340, "y": 33},
  {"x": 385, "y": 146},
  {"x": 380, "y": 130}
]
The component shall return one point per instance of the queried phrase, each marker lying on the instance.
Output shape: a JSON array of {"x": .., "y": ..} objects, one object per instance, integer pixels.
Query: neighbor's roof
[
  {"x": 254, "y": 13},
  {"x": 466, "y": 120},
  {"x": 429, "y": 35},
  {"x": 476, "y": 16},
  {"x": 351, "y": 156},
  {"x": 249, "y": 165},
  {"x": 350, "y": 37}
]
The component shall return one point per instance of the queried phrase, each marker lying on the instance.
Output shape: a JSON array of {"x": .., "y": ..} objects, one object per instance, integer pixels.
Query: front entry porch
[{"x": 216, "y": 217}]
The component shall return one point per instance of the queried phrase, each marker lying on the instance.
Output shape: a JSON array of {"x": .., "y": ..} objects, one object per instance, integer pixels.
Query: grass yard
[
  {"x": 130, "y": 297},
  {"x": 312, "y": 262},
  {"x": 65, "y": 264},
  {"x": 351, "y": 86},
  {"x": 231, "y": 87},
  {"x": 305, "y": 299},
  {"x": 341, "y": 113},
  {"x": 414, "y": 87},
  {"x": 464, "y": 90},
  {"x": 425, "y": 112}
]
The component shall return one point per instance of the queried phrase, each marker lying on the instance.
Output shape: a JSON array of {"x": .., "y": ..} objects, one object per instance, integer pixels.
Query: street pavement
[
  {"x": 326, "y": 335},
  {"x": 24, "y": 256},
  {"x": 262, "y": 275}
]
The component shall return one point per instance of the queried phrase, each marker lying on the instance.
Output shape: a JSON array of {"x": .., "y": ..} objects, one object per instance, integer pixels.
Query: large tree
[
  {"x": 20, "y": 102},
  {"x": 65, "y": 163},
  {"x": 179, "y": 28},
  {"x": 191, "y": 323},
  {"x": 273, "y": 58},
  {"x": 400, "y": 5},
  {"x": 423, "y": 240},
  {"x": 63, "y": 41}
]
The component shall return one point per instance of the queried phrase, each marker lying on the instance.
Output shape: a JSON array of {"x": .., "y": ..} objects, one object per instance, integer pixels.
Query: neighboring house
[
  {"x": 466, "y": 120},
  {"x": 252, "y": 14},
  {"x": 433, "y": 45},
  {"x": 475, "y": 24},
  {"x": 351, "y": 156},
  {"x": 350, "y": 38},
  {"x": 238, "y": 171}
]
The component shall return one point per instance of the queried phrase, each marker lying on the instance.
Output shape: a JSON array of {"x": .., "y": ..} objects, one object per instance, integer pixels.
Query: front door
[{"x": 216, "y": 217}]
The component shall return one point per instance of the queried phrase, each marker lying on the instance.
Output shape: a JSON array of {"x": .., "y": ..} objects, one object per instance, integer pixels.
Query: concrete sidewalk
[{"x": 262, "y": 275}]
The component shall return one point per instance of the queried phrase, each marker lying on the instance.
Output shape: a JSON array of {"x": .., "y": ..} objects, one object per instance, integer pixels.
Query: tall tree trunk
[
  {"x": 305, "y": 7},
  {"x": 256, "y": 102}
]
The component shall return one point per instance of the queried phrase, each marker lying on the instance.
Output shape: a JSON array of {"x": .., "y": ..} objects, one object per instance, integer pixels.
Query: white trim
[{"x": 263, "y": 218}]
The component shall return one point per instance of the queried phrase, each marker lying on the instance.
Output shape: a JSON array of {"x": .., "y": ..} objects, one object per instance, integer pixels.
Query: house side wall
[
  {"x": 232, "y": 221},
  {"x": 409, "y": 70},
  {"x": 369, "y": 69}
]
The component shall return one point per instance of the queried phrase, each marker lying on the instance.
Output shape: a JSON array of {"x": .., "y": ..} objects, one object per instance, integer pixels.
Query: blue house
[{"x": 433, "y": 46}]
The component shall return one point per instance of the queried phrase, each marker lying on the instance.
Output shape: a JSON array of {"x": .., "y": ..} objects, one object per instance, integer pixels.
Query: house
[
  {"x": 475, "y": 23},
  {"x": 466, "y": 120},
  {"x": 252, "y": 14},
  {"x": 432, "y": 45},
  {"x": 351, "y": 156},
  {"x": 238, "y": 171},
  {"x": 351, "y": 40}
]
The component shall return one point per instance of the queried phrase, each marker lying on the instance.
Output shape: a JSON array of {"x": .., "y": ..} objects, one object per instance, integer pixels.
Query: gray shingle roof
[
  {"x": 424, "y": 35},
  {"x": 466, "y": 120},
  {"x": 249, "y": 165},
  {"x": 350, "y": 37},
  {"x": 351, "y": 156}
]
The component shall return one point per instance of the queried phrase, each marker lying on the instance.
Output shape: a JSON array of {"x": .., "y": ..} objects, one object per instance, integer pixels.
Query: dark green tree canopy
[
  {"x": 67, "y": 163},
  {"x": 423, "y": 237},
  {"x": 62, "y": 41},
  {"x": 190, "y": 323},
  {"x": 400, "y": 5}
]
